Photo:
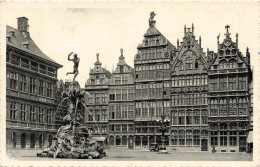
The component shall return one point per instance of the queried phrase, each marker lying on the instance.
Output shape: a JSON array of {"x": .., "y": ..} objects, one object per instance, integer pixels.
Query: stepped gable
[
  {"x": 154, "y": 38},
  {"x": 23, "y": 41}
]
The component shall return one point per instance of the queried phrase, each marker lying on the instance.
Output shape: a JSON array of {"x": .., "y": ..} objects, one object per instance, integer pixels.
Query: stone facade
[
  {"x": 229, "y": 97},
  {"x": 96, "y": 116},
  {"x": 189, "y": 89},
  {"x": 121, "y": 105},
  {"x": 30, "y": 84}
]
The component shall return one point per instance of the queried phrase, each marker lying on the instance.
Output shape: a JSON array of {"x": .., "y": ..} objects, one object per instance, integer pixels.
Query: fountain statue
[{"x": 73, "y": 140}]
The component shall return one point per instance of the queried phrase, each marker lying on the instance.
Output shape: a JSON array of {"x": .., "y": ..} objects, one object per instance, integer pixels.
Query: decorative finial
[
  {"x": 121, "y": 51},
  {"x": 192, "y": 28},
  {"x": 218, "y": 37},
  {"x": 227, "y": 33},
  {"x": 185, "y": 28},
  {"x": 247, "y": 49},
  {"x": 236, "y": 35},
  {"x": 178, "y": 42},
  {"x": 97, "y": 56}
]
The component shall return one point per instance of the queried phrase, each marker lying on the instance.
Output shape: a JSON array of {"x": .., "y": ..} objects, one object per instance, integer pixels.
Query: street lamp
[{"x": 163, "y": 122}]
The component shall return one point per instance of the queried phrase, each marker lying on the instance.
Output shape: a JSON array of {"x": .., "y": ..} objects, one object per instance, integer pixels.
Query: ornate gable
[{"x": 189, "y": 55}]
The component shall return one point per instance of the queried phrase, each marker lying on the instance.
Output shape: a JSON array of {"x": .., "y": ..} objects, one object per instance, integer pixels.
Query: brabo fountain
[{"x": 74, "y": 140}]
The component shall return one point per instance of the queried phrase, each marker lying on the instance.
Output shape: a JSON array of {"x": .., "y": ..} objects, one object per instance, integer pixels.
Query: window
[
  {"x": 232, "y": 141},
  {"x": 97, "y": 80},
  {"x": 97, "y": 97},
  {"x": 213, "y": 107},
  {"x": 41, "y": 88},
  {"x": 49, "y": 90},
  {"x": 41, "y": 114},
  {"x": 104, "y": 115},
  {"x": 188, "y": 117},
  {"x": 181, "y": 137},
  {"x": 13, "y": 110},
  {"x": 204, "y": 117},
  {"x": 214, "y": 141},
  {"x": 242, "y": 105},
  {"x": 233, "y": 106},
  {"x": 232, "y": 83},
  {"x": 117, "y": 80},
  {"x": 196, "y": 137},
  {"x": 223, "y": 83},
  {"x": 223, "y": 107},
  {"x": 32, "y": 113},
  {"x": 188, "y": 63},
  {"x": 90, "y": 98},
  {"x": 49, "y": 117},
  {"x": 188, "y": 137},
  {"x": 196, "y": 117},
  {"x": 174, "y": 137},
  {"x": 124, "y": 94},
  {"x": 118, "y": 127},
  {"x": 214, "y": 84},
  {"x": 174, "y": 117},
  {"x": 223, "y": 141},
  {"x": 23, "y": 83},
  {"x": 118, "y": 112},
  {"x": 124, "y": 127},
  {"x": 118, "y": 94},
  {"x": 232, "y": 63},
  {"x": 90, "y": 115},
  {"x": 181, "y": 65},
  {"x": 181, "y": 117},
  {"x": 13, "y": 79},
  {"x": 222, "y": 64},
  {"x": 242, "y": 83},
  {"x": 104, "y": 98},
  {"x": 196, "y": 64},
  {"x": 23, "y": 112},
  {"x": 131, "y": 94}
]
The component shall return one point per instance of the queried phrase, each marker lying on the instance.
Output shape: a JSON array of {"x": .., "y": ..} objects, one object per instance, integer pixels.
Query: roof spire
[
  {"x": 237, "y": 40},
  {"x": 192, "y": 28},
  {"x": 185, "y": 28}
]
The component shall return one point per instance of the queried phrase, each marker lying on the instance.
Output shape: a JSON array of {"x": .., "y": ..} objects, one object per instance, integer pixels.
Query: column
[
  {"x": 218, "y": 148},
  {"x": 228, "y": 138}
]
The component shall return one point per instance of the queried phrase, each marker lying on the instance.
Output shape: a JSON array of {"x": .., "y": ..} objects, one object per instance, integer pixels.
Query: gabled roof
[{"x": 19, "y": 39}]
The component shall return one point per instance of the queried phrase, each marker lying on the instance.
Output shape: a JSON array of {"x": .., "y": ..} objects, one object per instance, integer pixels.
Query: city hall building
[{"x": 31, "y": 78}]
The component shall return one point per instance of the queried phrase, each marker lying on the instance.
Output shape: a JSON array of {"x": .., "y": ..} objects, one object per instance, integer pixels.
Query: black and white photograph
[{"x": 129, "y": 83}]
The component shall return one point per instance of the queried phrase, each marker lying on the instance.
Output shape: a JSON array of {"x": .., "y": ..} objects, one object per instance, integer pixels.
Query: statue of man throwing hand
[{"x": 75, "y": 60}]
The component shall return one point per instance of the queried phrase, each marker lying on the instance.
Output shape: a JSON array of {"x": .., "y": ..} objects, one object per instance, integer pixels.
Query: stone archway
[
  {"x": 111, "y": 140},
  {"x": 137, "y": 141},
  {"x": 124, "y": 140},
  {"x": 118, "y": 140},
  {"x": 32, "y": 140},
  {"x": 23, "y": 140}
]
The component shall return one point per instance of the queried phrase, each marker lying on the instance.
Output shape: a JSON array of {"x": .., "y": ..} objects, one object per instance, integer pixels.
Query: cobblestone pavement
[{"x": 142, "y": 155}]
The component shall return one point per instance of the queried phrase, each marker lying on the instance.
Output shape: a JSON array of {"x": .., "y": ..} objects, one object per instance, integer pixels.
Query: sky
[{"x": 90, "y": 28}]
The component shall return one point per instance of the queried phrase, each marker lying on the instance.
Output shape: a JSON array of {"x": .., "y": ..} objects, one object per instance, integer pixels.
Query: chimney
[{"x": 22, "y": 23}]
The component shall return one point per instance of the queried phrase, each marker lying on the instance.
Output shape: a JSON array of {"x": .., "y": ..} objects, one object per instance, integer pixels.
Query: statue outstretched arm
[{"x": 69, "y": 56}]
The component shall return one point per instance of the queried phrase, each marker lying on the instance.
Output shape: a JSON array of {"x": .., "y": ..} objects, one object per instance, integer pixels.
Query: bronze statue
[{"x": 76, "y": 65}]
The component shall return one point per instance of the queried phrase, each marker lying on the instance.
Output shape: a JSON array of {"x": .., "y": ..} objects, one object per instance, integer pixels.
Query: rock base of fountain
[{"x": 74, "y": 140}]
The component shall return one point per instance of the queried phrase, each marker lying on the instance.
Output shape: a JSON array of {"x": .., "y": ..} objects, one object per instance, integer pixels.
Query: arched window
[
  {"x": 227, "y": 52},
  {"x": 189, "y": 137},
  {"x": 188, "y": 63},
  {"x": 232, "y": 63},
  {"x": 233, "y": 51},
  {"x": 221, "y": 52},
  {"x": 181, "y": 137},
  {"x": 223, "y": 64}
]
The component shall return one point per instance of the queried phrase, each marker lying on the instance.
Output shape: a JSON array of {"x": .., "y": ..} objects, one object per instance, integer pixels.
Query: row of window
[
  {"x": 187, "y": 137},
  {"x": 97, "y": 98},
  {"x": 121, "y": 128},
  {"x": 152, "y": 90},
  {"x": 96, "y": 115},
  {"x": 152, "y": 53},
  {"x": 121, "y": 94},
  {"x": 158, "y": 66},
  {"x": 189, "y": 64},
  {"x": 32, "y": 85},
  {"x": 189, "y": 99},
  {"x": 231, "y": 83},
  {"x": 223, "y": 140},
  {"x": 224, "y": 107},
  {"x": 120, "y": 79},
  {"x": 190, "y": 80},
  {"x": 26, "y": 63},
  {"x": 30, "y": 113},
  {"x": 190, "y": 117},
  {"x": 121, "y": 111},
  {"x": 151, "y": 75},
  {"x": 147, "y": 109}
]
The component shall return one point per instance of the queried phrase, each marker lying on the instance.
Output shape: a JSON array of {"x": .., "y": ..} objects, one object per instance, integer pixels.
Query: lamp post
[{"x": 162, "y": 123}]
